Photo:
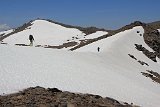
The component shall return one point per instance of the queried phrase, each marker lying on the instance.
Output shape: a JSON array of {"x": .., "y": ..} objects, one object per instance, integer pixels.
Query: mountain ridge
[
  {"x": 106, "y": 67},
  {"x": 151, "y": 35},
  {"x": 87, "y": 30}
]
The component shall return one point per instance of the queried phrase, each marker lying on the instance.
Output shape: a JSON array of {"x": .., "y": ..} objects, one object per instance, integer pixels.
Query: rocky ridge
[{"x": 53, "y": 97}]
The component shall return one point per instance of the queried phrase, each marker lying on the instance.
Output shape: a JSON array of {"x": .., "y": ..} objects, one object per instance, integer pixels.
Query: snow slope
[
  {"x": 44, "y": 33},
  {"x": 95, "y": 35},
  {"x": 47, "y": 33},
  {"x": 125, "y": 39},
  {"x": 111, "y": 72},
  {"x": 90, "y": 36},
  {"x": 6, "y": 32},
  {"x": 122, "y": 43}
]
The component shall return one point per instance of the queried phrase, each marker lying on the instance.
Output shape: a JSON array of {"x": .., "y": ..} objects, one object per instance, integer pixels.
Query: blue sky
[{"x": 109, "y": 14}]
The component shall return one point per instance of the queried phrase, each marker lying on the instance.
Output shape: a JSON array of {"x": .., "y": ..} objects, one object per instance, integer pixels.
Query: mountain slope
[
  {"x": 122, "y": 69},
  {"x": 156, "y": 24},
  {"x": 44, "y": 33},
  {"x": 5, "y": 32},
  {"x": 151, "y": 37},
  {"x": 48, "y": 34},
  {"x": 116, "y": 74}
]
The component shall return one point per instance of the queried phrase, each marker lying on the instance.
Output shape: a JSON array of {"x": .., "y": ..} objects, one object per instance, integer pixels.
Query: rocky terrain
[
  {"x": 53, "y": 97},
  {"x": 152, "y": 75},
  {"x": 152, "y": 38}
]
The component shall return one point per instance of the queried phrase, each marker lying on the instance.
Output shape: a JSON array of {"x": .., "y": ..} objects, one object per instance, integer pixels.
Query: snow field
[{"x": 110, "y": 72}]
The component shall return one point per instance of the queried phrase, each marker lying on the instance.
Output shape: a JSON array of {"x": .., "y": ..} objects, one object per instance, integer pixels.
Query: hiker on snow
[
  {"x": 31, "y": 40},
  {"x": 98, "y": 49}
]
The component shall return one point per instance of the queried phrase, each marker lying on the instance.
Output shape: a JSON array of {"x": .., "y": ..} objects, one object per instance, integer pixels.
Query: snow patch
[
  {"x": 23, "y": 67},
  {"x": 124, "y": 39},
  {"x": 158, "y": 60},
  {"x": 115, "y": 75},
  {"x": 45, "y": 33},
  {"x": 96, "y": 34},
  {"x": 6, "y": 32}
]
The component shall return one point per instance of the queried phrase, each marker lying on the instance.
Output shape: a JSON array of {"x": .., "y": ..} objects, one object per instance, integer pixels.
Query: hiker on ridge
[
  {"x": 31, "y": 40},
  {"x": 98, "y": 49}
]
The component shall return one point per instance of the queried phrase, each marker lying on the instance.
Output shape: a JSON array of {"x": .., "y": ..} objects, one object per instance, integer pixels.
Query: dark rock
[
  {"x": 112, "y": 100},
  {"x": 138, "y": 23},
  {"x": 64, "y": 45},
  {"x": 132, "y": 56},
  {"x": 97, "y": 96},
  {"x": 138, "y": 31},
  {"x": 152, "y": 38},
  {"x": 152, "y": 75},
  {"x": 54, "y": 90},
  {"x": 143, "y": 63},
  {"x": 41, "y": 97},
  {"x": 150, "y": 55},
  {"x": 63, "y": 105}
]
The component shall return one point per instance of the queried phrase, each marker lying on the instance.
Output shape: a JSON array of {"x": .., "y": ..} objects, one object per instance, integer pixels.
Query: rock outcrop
[{"x": 53, "y": 97}]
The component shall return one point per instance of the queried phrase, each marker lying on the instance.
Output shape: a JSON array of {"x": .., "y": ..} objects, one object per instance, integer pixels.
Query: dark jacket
[{"x": 31, "y": 38}]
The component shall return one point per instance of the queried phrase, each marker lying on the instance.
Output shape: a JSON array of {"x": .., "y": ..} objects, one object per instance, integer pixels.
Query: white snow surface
[
  {"x": 47, "y": 33},
  {"x": 125, "y": 39},
  {"x": 6, "y": 32},
  {"x": 96, "y": 34},
  {"x": 110, "y": 72}
]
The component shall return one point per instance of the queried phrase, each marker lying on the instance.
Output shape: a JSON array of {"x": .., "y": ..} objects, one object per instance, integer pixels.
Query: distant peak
[{"x": 138, "y": 23}]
